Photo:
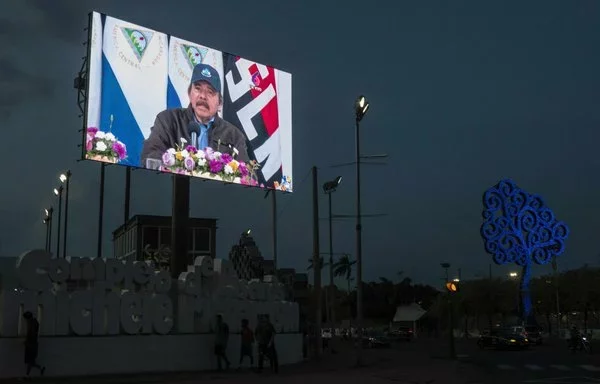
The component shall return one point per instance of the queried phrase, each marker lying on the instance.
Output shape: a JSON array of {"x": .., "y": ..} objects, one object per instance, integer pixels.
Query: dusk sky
[{"x": 462, "y": 93}]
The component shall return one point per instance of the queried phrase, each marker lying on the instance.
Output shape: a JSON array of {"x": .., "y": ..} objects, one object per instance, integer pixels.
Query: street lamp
[
  {"x": 360, "y": 108},
  {"x": 48, "y": 221},
  {"x": 58, "y": 192},
  {"x": 330, "y": 187},
  {"x": 65, "y": 178},
  {"x": 513, "y": 274}
]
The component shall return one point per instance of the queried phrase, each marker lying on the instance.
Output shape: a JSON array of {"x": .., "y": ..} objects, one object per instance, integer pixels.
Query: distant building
[
  {"x": 144, "y": 234},
  {"x": 249, "y": 264},
  {"x": 247, "y": 261}
]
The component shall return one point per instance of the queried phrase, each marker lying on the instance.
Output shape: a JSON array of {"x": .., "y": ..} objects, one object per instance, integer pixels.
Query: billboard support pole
[
  {"x": 58, "y": 193},
  {"x": 316, "y": 264},
  {"x": 100, "y": 210},
  {"x": 127, "y": 194},
  {"x": 126, "y": 207},
  {"x": 179, "y": 224},
  {"x": 274, "y": 200}
]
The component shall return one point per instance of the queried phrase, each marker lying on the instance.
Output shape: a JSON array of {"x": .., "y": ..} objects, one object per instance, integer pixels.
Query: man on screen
[{"x": 172, "y": 125}]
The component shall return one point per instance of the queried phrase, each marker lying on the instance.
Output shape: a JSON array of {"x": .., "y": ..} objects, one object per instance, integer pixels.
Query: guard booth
[{"x": 407, "y": 316}]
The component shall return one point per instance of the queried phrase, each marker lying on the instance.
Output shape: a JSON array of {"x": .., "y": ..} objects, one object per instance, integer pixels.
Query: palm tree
[
  {"x": 310, "y": 263},
  {"x": 343, "y": 267}
]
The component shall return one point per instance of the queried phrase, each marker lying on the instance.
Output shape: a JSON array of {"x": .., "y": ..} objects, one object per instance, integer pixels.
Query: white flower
[
  {"x": 185, "y": 153},
  {"x": 183, "y": 141},
  {"x": 100, "y": 135},
  {"x": 110, "y": 136},
  {"x": 217, "y": 154},
  {"x": 100, "y": 146},
  {"x": 228, "y": 169},
  {"x": 172, "y": 151},
  {"x": 201, "y": 154},
  {"x": 201, "y": 161},
  {"x": 236, "y": 151}
]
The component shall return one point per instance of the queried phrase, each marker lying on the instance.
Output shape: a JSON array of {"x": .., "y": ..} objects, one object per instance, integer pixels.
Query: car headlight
[{"x": 513, "y": 340}]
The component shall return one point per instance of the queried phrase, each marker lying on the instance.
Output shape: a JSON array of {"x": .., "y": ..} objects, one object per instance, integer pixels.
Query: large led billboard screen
[{"x": 160, "y": 102}]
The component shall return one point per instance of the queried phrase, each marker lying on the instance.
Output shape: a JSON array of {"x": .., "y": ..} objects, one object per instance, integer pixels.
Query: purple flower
[
  {"x": 119, "y": 149},
  {"x": 168, "y": 159},
  {"x": 92, "y": 131},
  {"x": 215, "y": 166},
  {"x": 226, "y": 158},
  {"x": 189, "y": 163},
  {"x": 191, "y": 149},
  {"x": 243, "y": 169}
]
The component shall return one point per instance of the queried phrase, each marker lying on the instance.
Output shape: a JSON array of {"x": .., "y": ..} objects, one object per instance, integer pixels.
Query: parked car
[
  {"x": 375, "y": 339},
  {"x": 326, "y": 333},
  {"x": 533, "y": 333},
  {"x": 502, "y": 338},
  {"x": 401, "y": 333}
]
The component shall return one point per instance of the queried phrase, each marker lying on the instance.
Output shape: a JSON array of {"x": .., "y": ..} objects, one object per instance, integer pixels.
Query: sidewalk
[{"x": 412, "y": 365}]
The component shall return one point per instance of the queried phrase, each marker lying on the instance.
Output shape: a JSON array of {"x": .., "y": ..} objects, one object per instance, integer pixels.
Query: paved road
[
  {"x": 549, "y": 363},
  {"x": 419, "y": 362}
]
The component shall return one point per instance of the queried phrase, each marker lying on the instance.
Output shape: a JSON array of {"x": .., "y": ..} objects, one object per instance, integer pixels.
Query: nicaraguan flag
[{"x": 134, "y": 83}]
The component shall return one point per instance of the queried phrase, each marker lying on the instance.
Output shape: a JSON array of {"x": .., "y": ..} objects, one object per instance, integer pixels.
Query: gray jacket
[{"x": 172, "y": 124}]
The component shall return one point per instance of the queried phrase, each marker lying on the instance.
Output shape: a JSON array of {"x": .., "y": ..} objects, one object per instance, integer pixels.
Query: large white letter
[
  {"x": 106, "y": 312},
  {"x": 131, "y": 313},
  {"x": 162, "y": 314},
  {"x": 32, "y": 270},
  {"x": 81, "y": 312}
]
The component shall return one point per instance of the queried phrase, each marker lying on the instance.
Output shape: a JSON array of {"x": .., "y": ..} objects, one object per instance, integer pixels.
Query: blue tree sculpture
[{"x": 519, "y": 228}]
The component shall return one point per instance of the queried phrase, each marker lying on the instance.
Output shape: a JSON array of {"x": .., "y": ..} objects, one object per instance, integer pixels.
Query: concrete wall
[{"x": 72, "y": 356}]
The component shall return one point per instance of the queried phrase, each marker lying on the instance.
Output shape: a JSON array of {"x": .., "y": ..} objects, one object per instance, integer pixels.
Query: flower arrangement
[
  {"x": 285, "y": 185},
  {"x": 208, "y": 163},
  {"x": 104, "y": 146}
]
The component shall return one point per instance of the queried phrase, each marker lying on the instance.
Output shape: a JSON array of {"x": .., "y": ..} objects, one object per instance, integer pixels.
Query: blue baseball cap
[{"x": 204, "y": 72}]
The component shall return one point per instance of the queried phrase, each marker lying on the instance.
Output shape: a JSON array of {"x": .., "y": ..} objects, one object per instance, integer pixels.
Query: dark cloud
[{"x": 462, "y": 95}]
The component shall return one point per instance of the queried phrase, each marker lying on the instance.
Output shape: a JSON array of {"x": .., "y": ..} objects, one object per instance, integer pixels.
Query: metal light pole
[
  {"x": 65, "y": 178},
  {"x": 50, "y": 212},
  {"x": 361, "y": 107},
  {"x": 555, "y": 273},
  {"x": 48, "y": 221},
  {"x": 452, "y": 352},
  {"x": 58, "y": 192},
  {"x": 316, "y": 265},
  {"x": 330, "y": 187}
]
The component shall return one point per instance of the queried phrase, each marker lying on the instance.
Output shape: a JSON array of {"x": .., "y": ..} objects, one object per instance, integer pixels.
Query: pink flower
[
  {"x": 189, "y": 163},
  {"x": 119, "y": 149},
  {"x": 89, "y": 145},
  {"x": 243, "y": 169},
  {"x": 168, "y": 159},
  {"x": 92, "y": 131},
  {"x": 215, "y": 166}
]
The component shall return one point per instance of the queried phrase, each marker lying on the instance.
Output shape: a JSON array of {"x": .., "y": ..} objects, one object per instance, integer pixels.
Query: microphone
[{"x": 194, "y": 129}]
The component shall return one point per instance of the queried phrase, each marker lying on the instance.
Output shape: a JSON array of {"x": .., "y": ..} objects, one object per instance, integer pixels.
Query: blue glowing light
[{"x": 519, "y": 228}]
